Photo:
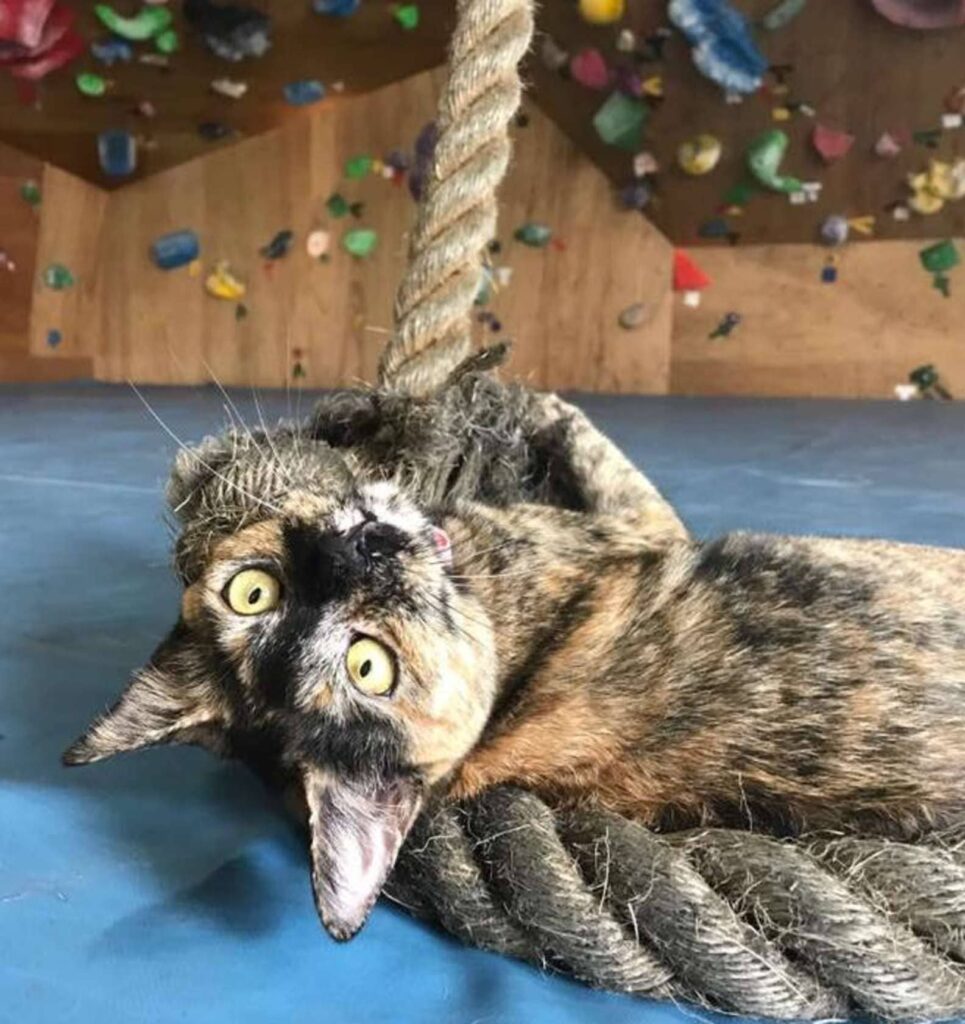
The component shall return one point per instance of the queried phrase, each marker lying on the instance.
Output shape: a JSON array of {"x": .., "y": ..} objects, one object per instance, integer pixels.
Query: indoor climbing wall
[{"x": 283, "y": 212}]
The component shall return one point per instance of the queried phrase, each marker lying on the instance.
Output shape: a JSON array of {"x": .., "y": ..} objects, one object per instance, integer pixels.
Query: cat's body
[
  {"x": 373, "y": 642},
  {"x": 769, "y": 682}
]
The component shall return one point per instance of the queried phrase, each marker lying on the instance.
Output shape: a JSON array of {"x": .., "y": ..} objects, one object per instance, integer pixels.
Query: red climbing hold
[{"x": 687, "y": 276}]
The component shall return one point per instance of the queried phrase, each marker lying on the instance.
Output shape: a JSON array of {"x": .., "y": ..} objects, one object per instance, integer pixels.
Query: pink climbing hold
[
  {"x": 589, "y": 68},
  {"x": 924, "y": 14},
  {"x": 831, "y": 143}
]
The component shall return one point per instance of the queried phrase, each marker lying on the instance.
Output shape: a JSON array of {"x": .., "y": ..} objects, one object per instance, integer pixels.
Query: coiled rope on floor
[{"x": 807, "y": 929}]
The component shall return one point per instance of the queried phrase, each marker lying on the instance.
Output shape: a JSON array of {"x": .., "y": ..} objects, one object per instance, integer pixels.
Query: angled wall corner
[{"x": 137, "y": 322}]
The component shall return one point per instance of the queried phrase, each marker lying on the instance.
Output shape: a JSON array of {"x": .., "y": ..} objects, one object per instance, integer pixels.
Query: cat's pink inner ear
[{"x": 442, "y": 542}]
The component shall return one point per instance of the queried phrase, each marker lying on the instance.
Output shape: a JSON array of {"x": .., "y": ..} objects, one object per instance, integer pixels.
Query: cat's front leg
[{"x": 607, "y": 480}]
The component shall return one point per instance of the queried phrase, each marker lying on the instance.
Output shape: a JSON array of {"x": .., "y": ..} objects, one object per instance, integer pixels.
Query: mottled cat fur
[{"x": 592, "y": 654}]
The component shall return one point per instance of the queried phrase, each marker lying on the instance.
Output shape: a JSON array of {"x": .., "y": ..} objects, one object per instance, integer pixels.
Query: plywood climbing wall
[{"x": 331, "y": 318}]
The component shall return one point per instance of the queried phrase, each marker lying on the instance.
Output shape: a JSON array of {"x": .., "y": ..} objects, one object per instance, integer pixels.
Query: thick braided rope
[
  {"x": 811, "y": 929},
  {"x": 457, "y": 215}
]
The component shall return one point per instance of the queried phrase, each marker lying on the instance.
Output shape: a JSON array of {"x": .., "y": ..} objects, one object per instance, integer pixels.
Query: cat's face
[{"x": 334, "y": 640}]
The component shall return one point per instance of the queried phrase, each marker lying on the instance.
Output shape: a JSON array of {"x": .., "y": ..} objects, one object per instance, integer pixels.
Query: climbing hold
[
  {"x": 407, "y": 15},
  {"x": 337, "y": 205},
  {"x": 167, "y": 42},
  {"x": 699, "y": 155},
  {"x": 636, "y": 195},
  {"x": 620, "y": 121},
  {"x": 54, "y": 338},
  {"x": 358, "y": 166},
  {"x": 534, "y": 234},
  {"x": 146, "y": 24},
  {"x": 906, "y": 392},
  {"x": 229, "y": 88},
  {"x": 304, "y": 92},
  {"x": 922, "y": 14},
  {"x": 117, "y": 153},
  {"x": 633, "y": 316},
  {"x": 175, "y": 249},
  {"x": 829, "y": 272},
  {"x": 336, "y": 8},
  {"x": 764, "y": 156},
  {"x": 231, "y": 31},
  {"x": 58, "y": 277},
  {"x": 688, "y": 278},
  {"x": 552, "y": 55},
  {"x": 317, "y": 244},
  {"x": 864, "y": 225},
  {"x": 723, "y": 47},
  {"x": 602, "y": 12},
  {"x": 940, "y": 257},
  {"x": 783, "y": 14},
  {"x": 645, "y": 163},
  {"x": 145, "y": 108},
  {"x": 90, "y": 84},
  {"x": 726, "y": 326},
  {"x": 830, "y": 143},
  {"x": 589, "y": 68},
  {"x": 887, "y": 145},
  {"x": 6, "y": 263},
  {"x": 30, "y": 193},
  {"x": 955, "y": 100},
  {"x": 279, "y": 246},
  {"x": 222, "y": 283},
  {"x": 213, "y": 131},
  {"x": 835, "y": 230},
  {"x": 928, "y": 382},
  {"x": 360, "y": 242},
  {"x": 111, "y": 50},
  {"x": 626, "y": 40}
]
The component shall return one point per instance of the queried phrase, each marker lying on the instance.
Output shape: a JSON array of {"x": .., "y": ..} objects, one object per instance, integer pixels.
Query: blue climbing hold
[
  {"x": 176, "y": 249},
  {"x": 304, "y": 92},
  {"x": 336, "y": 8},
  {"x": 117, "y": 152},
  {"x": 111, "y": 50},
  {"x": 723, "y": 47}
]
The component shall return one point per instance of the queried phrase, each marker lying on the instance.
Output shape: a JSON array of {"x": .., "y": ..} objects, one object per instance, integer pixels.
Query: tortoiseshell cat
[{"x": 378, "y": 652}]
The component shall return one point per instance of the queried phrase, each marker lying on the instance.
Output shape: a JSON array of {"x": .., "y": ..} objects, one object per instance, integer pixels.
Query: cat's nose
[{"x": 374, "y": 539}]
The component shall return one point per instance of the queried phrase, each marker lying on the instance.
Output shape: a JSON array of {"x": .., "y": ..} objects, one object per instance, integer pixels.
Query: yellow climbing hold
[
  {"x": 601, "y": 12},
  {"x": 700, "y": 154},
  {"x": 222, "y": 284}
]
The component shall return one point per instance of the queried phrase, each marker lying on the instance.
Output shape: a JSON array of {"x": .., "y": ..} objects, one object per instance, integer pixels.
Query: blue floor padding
[{"x": 166, "y": 886}]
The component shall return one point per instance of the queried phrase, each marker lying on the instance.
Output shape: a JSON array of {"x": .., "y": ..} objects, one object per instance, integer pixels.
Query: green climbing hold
[
  {"x": 58, "y": 277},
  {"x": 337, "y": 205},
  {"x": 764, "y": 157},
  {"x": 90, "y": 84},
  {"x": 30, "y": 193},
  {"x": 538, "y": 236},
  {"x": 941, "y": 256},
  {"x": 360, "y": 242},
  {"x": 741, "y": 194},
  {"x": 407, "y": 15},
  {"x": 167, "y": 41},
  {"x": 620, "y": 121},
  {"x": 358, "y": 166},
  {"x": 146, "y": 24}
]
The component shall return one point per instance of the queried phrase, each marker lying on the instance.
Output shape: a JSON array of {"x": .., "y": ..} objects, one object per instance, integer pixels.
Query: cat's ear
[
  {"x": 357, "y": 829},
  {"x": 169, "y": 700}
]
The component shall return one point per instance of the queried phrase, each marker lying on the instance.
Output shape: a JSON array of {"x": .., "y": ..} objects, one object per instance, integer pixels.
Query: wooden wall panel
[
  {"x": 19, "y": 233},
  {"x": 561, "y": 307},
  {"x": 71, "y": 220},
  {"x": 856, "y": 338}
]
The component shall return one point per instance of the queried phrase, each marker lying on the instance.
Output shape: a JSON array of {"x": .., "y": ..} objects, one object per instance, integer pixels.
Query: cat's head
[{"x": 328, "y": 633}]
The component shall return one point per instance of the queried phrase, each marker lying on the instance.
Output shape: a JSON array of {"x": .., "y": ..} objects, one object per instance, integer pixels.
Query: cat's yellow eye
[
  {"x": 252, "y": 592},
  {"x": 370, "y": 667}
]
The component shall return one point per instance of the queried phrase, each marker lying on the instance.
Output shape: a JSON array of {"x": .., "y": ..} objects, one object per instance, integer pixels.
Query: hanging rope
[
  {"x": 457, "y": 215},
  {"x": 721, "y": 918}
]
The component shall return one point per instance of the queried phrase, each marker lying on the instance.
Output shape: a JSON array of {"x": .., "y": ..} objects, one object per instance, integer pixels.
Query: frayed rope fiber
[
  {"x": 807, "y": 929},
  {"x": 810, "y": 929}
]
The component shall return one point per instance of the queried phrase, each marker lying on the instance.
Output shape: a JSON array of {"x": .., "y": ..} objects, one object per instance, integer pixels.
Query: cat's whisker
[{"x": 194, "y": 455}]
